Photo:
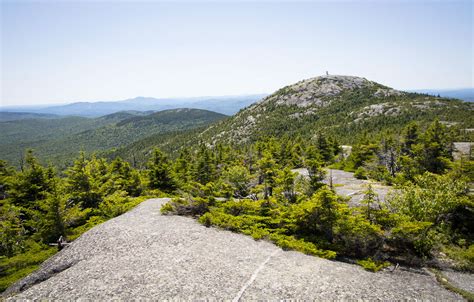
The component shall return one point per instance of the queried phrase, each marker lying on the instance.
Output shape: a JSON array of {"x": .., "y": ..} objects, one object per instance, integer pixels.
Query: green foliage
[
  {"x": 432, "y": 198},
  {"x": 114, "y": 204},
  {"x": 463, "y": 256},
  {"x": 31, "y": 184},
  {"x": 12, "y": 232},
  {"x": 58, "y": 140},
  {"x": 371, "y": 265},
  {"x": 434, "y": 152},
  {"x": 238, "y": 177},
  {"x": 300, "y": 245},
  {"x": 38, "y": 207},
  {"x": 360, "y": 173},
  {"x": 355, "y": 236},
  {"x": 267, "y": 173},
  {"x": 316, "y": 174},
  {"x": 191, "y": 206},
  {"x": 160, "y": 174},
  {"x": 20, "y": 265},
  {"x": 90, "y": 223},
  {"x": 430, "y": 210}
]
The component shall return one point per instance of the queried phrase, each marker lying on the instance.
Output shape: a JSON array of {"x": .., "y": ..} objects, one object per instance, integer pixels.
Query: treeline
[{"x": 397, "y": 158}]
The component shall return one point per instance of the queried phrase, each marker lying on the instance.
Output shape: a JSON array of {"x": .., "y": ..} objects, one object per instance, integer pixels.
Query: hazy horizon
[{"x": 59, "y": 53}]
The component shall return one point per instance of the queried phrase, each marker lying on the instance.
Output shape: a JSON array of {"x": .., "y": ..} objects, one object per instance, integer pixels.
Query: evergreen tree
[
  {"x": 183, "y": 166},
  {"x": 238, "y": 177},
  {"x": 370, "y": 198},
  {"x": 12, "y": 231},
  {"x": 410, "y": 137},
  {"x": 79, "y": 184},
  {"x": 205, "y": 167},
  {"x": 32, "y": 184},
  {"x": 160, "y": 175},
  {"x": 316, "y": 174},
  {"x": 267, "y": 173},
  {"x": 287, "y": 181},
  {"x": 121, "y": 177},
  {"x": 434, "y": 152},
  {"x": 324, "y": 147},
  {"x": 5, "y": 173}
]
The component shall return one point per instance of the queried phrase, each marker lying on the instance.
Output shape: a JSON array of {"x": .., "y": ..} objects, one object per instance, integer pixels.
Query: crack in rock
[{"x": 253, "y": 277}]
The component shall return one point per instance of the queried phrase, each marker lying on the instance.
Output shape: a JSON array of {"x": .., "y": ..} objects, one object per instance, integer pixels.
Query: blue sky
[{"x": 56, "y": 52}]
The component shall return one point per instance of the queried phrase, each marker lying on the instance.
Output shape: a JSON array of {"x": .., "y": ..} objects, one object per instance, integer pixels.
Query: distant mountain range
[
  {"x": 227, "y": 105},
  {"x": 466, "y": 94}
]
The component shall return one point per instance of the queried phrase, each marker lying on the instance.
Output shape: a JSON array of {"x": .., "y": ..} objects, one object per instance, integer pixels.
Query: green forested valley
[{"x": 58, "y": 140}]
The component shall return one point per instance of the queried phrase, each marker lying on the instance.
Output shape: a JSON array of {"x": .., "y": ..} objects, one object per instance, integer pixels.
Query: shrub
[
  {"x": 309, "y": 248},
  {"x": 188, "y": 207},
  {"x": 371, "y": 265},
  {"x": 412, "y": 236},
  {"x": 464, "y": 257},
  {"x": 356, "y": 237},
  {"x": 360, "y": 173},
  {"x": 114, "y": 205},
  {"x": 21, "y": 265}
]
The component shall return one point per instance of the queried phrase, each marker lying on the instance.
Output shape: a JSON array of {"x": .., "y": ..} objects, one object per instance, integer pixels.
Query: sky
[{"x": 58, "y": 51}]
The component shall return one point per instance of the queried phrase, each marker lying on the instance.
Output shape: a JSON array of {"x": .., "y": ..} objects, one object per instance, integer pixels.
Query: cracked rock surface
[{"x": 143, "y": 254}]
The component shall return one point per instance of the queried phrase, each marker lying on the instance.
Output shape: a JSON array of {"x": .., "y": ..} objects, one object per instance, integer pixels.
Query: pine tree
[
  {"x": 238, "y": 177},
  {"x": 434, "y": 152},
  {"x": 183, "y": 166},
  {"x": 316, "y": 174},
  {"x": 267, "y": 173},
  {"x": 370, "y": 198},
  {"x": 410, "y": 137},
  {"x": 5, "y": 173},
  {"x": 287, "y": 181},
  {"x": 32, "y": 184},
  {"x": 324, "y": 147},
  {"x": 121, "y": 177},
  {"x": 160, "y": 175},
  {"x": 79, "y": 184},
  {"x": 205, "y": 166}
]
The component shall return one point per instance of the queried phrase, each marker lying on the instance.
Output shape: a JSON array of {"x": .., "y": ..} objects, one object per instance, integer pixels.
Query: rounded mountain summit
[{"x": 336, "y": 105}]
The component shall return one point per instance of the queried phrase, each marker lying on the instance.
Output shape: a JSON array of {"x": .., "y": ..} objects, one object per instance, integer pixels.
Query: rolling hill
[
  {"x": 14, "y": 116},
  {"x": 59, "y": 140},
  {"x": 343, "y": 106}
]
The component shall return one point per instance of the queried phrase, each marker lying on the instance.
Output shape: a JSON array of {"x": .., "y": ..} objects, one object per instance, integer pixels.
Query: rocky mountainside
[{"x": 344, "y": 106}]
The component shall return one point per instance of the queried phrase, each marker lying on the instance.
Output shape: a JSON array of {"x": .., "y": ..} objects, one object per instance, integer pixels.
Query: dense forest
[
  {"x": 251, "y": 188},
  {"x": 58, "y": 140}
]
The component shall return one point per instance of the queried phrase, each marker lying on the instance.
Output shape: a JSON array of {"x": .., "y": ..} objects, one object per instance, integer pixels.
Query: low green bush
[
  {"x": 20, "y": 265},
  {"x": 300, "y": 245},
  {"x": 371, "y": 265},
  {"x": 360, "y": 173},
  {"x": 196, "y": 206},
  {"x": 463, "y": 256}
]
